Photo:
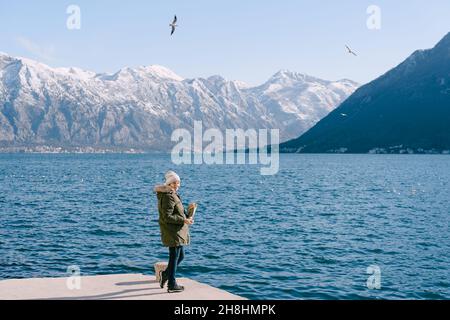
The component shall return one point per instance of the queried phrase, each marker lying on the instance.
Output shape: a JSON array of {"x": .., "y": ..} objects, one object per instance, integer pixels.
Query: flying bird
[
  {"x": 350, "y": 51},
  {"x": 173, "y": 24}
]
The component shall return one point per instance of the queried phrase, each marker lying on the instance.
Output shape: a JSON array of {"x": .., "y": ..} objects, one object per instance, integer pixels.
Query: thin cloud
[{"x": 43, "y": 52}]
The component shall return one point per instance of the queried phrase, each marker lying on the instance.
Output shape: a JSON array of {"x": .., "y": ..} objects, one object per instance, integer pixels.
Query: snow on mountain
[
  {"x": 241, "y": 84},
  {"x": 305, "y": 99},
  {"x": 140, "y": 107}
]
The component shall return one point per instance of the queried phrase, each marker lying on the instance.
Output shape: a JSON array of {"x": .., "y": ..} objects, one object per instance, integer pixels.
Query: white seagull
[
  {"x": 173, "y": 24},
  {"x": 350, "y": 51}
]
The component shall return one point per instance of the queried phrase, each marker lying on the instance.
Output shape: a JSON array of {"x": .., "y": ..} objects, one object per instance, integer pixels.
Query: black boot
[
  {"x": 162, "y": 278},
  {"x": 175, "y": 288}
]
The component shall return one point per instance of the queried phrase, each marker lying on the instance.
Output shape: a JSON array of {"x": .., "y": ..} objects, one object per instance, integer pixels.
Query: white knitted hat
[{"x": 171, "y": 177}]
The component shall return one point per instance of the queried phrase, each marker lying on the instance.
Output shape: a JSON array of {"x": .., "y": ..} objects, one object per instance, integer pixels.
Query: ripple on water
[{"x": 106, "y": 232}]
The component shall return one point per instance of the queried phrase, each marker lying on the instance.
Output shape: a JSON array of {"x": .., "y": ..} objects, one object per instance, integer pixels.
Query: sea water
[{"x": 315, "y": 230}]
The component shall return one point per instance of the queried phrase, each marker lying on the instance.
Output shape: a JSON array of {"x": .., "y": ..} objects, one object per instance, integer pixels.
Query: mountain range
[
  {"x": 140, "y": 107},
  {"x": 406, "y": 110}
]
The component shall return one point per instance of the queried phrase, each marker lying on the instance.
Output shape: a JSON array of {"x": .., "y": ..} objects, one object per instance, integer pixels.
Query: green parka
[{"x": 174, "y": 232}]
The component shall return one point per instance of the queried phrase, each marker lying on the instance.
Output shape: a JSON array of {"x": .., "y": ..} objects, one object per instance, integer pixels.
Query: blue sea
[{"x": 309, "y": 232}]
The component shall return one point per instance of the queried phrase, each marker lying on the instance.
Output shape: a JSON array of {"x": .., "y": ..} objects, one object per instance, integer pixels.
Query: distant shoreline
[
  {"x": 73, "y": 150},
  {"x": 90, "y": 150}
]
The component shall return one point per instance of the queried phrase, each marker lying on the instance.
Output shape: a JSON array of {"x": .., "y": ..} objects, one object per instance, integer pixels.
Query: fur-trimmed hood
[{"x": 162, "y": 188}]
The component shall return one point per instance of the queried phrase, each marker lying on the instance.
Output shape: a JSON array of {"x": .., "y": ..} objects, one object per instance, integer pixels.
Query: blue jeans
[{"x": 176, "y": 255}]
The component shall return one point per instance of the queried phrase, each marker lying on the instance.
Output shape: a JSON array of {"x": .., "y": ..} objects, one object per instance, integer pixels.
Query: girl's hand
[{"x": 188, "y": 221}]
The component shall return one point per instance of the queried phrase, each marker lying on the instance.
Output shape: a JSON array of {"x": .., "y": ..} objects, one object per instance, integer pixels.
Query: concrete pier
[{"x": 107, "y": 287}]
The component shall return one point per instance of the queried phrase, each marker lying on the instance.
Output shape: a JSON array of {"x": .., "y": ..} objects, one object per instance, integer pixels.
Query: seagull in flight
[
  {"x": 350, "y": 51},
  {"x": 173, "y": 24}
]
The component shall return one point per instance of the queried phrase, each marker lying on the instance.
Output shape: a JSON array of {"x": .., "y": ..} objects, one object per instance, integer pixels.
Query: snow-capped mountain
[
  {"x": 140, "y": 107},
  {"x": 300, "y": 100}
]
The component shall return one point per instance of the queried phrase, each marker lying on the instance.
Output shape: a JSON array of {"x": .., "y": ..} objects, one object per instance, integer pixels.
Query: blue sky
[{"x": 240, "y": 40}]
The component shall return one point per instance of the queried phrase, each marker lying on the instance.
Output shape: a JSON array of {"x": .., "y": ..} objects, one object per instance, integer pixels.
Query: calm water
[{"x": 309, "y": 232}]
